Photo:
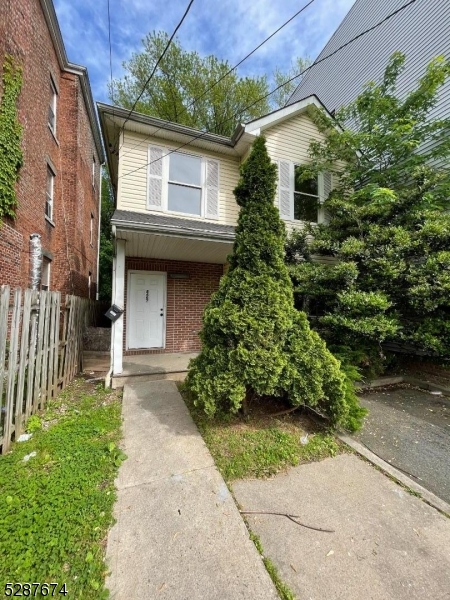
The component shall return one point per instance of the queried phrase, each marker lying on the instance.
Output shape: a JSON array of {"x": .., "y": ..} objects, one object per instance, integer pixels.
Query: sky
[{"x": 229, "y": 29}]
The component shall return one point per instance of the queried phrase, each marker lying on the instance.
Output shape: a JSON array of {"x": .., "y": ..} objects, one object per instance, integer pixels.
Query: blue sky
[{"x": 227, "y": 28}]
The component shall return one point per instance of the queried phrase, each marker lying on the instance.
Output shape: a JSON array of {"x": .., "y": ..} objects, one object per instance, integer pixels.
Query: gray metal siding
[{"x": 421, "y": 31}]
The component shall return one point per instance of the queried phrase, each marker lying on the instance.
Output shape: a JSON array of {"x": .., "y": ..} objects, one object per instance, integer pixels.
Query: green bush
[
  {"x": 388, "y": 224},
  {"x": 254, "y": 342}
]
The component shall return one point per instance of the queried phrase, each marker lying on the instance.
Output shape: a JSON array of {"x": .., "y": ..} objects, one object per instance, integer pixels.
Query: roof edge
[
  {"x": 58, "y": 43},
  {"x": 124, "y": 114}
]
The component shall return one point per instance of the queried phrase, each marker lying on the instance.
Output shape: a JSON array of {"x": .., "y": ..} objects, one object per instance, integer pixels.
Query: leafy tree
[
  {"x": 254, "y": 342},
  {"x": 183, "y": 76},
  {"x": 388, "y": 223},
  {"x": 183, "y": 89},
  {"x": 106, "y": 243},
  {"x": 281, "y": 96}
]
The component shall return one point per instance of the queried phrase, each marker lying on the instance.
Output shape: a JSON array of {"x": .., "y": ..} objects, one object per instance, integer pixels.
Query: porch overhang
[{"x": 172, "y": 238}]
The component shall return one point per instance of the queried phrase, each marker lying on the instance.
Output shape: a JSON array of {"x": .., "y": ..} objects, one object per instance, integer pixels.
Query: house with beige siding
[{"x": 175, "y": 216}]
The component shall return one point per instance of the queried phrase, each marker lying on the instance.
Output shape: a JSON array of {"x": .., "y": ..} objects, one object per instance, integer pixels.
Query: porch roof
[
  {"x": 165, "y": 237},
  {"x": 124, "y": 219}
]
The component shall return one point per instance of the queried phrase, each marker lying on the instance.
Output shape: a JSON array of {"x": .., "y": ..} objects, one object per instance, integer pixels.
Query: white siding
[
  {"x": 133, "y": 172},
  {"x": 290, "y": 141}
]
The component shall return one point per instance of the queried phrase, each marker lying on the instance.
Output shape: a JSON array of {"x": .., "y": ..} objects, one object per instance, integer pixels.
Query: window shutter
[
  {"x": 155, "y": 178},
  {"x": 284, "y": 189},
  {"x": 327, "y": 184},
  {"x": 212, "y": 189}
]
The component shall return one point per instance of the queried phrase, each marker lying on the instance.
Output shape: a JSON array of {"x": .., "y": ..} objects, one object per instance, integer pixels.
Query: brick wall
[
  {"x": 186, "y": 300},
  {"x": 24, "y": 34}
]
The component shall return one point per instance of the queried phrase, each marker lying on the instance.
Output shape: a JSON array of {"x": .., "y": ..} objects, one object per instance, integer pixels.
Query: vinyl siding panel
[
  {"x": 290, "y": 141},
  {"x": 132, "y": 182},
  {"x": 421, "y": 32}
]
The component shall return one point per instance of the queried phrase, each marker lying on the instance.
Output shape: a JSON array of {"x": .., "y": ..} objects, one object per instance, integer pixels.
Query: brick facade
[
  {"x": 185, "y": 302},
  {"x": 69, "y": 152}
]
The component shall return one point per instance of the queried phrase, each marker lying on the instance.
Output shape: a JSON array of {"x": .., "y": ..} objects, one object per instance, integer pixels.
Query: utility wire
[
  {"x": 213, "y": 85},
  {"x": 237, "y": 114},
  {"x": 110, "y": 51},
  {"x": 150, "y": 77}
]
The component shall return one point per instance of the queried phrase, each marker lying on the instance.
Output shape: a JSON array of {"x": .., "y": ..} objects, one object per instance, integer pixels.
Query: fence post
[{"x": 12, "y": 370}]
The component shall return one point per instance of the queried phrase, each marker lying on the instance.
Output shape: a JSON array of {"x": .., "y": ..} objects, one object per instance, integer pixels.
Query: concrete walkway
[
  {"x": 178, "y": 534},
  {"x": 386, "y": 544}
]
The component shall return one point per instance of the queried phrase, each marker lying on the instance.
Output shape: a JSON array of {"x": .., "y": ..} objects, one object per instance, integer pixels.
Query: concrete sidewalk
[
  {"x": 386, "y": 544},
  {"x": 178, "y": 534}
]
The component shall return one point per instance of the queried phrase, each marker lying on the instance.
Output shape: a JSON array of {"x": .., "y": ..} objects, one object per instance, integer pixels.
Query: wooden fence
[{"x": 40, "y": 352}]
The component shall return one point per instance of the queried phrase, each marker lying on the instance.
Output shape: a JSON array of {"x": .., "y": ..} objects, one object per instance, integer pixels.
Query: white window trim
[
  {"x": 320, "y": 189},
  {"x": 49, "y": 198},
  {"x": 167, "y": 152}
]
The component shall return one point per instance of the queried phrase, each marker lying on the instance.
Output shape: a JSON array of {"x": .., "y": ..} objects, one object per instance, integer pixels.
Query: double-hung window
[
  {"x": 183, "y": 183},
  {"x": 49, "y": 193},
  {"x": 52, "y": 107},
  {"x": 306, "y": 197},
  {"x": 300, "y": 198},
  {"x": 184, "y": 193}
]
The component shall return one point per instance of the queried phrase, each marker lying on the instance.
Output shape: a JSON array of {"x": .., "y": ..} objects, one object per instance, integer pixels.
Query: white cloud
[{"x": 228, "y": 28}]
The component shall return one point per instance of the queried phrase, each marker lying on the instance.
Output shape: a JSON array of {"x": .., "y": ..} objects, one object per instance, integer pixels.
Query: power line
[
  {"x": 110, "y": 51},
  {"x": 150, "y": 77},
  {"x": 203, "y": 133},
  {"x": 213, "y": 85}
]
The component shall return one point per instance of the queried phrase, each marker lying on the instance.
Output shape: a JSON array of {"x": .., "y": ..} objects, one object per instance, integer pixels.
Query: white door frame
[{"x": 138, "y": 272}]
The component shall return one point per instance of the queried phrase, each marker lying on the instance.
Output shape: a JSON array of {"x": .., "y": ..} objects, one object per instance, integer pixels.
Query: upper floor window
[
  {"x": 306, "y": 197},
  {"x": 49, "y": 193},
  {"x": 183, "y": 183},
  {"x": 301, "y": 198},
  {"x": 184, "y": 192},
  {"x": 91, "y": 230},
  {"x": 52, "y": 107},
  {"x": 94, "y": 165}
]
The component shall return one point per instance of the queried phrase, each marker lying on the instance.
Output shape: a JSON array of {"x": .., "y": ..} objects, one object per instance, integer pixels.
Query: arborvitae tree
[
  {"x": 254, "y": 341},
  {"x": 389, "y": 225}
]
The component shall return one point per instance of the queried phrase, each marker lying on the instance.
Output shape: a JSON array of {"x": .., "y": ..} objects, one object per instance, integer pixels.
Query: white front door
[{"x": 146, "y": 310}]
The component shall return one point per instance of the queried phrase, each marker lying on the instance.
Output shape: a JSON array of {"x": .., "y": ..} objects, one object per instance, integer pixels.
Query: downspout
[
  {"x": 35, "y": 260},
  {"x": 98, "y": 234},
  {"x": 111, "y": 351}
]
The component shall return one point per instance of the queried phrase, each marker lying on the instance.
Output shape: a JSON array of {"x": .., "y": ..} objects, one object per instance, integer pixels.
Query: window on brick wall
[
  {"x": 45, "y": 274},
  {"x": 94, "y": 165},
  {"x": 52, "y": 107},
  {"x": 49, "y": 194},
  {"x": 91, "y": 230}
]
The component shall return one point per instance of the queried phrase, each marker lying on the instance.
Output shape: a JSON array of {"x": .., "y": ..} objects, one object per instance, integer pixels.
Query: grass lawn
[
  {"x": 56, "y": 507},
  {"x": 260, "y": 445}
]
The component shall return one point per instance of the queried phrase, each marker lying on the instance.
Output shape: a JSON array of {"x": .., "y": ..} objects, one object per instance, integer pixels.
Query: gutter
[{"x": 174, "y": 231}]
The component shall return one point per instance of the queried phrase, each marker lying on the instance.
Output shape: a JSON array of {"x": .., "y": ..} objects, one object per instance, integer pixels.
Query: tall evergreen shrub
[{"x": 254, "y": 341}]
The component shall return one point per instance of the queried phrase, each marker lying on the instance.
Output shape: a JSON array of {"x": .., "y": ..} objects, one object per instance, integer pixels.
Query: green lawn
[
  {"x": 56, "y": 508},
  {"x": 261, "y": 445}
]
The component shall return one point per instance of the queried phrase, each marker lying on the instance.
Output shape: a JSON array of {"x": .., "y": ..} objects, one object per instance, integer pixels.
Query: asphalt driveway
[{"x": 410, "y": 429}]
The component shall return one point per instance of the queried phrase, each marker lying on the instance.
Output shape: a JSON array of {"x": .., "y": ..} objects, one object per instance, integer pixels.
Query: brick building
[{"x": 58, "y": 189}]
